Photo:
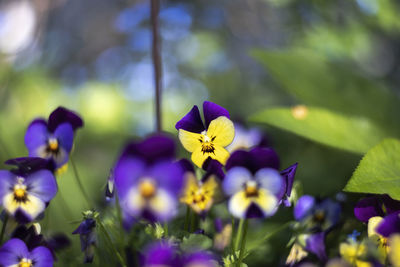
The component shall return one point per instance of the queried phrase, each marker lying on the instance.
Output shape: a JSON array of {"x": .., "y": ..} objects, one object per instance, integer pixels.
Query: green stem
[
  {"x": 66, "y": 210},
  {"x": 165, "y": 229},
  {"x": 119, "y": 216},
  {"x": 3, "y": 228},
  {"x": 186, "y": 225},
  {"x": 243, "y": 242},
  {"x": 193, "y": 222},
  {"x": 233, "y": 239},
  {"x": 239, "y": 234},
  {"x": 78, "y": 180},
  {"x": 111, "y": 244}
]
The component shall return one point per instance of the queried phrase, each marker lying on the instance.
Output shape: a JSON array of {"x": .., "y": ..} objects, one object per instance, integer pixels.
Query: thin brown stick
[{"x": 156, "y": 51}]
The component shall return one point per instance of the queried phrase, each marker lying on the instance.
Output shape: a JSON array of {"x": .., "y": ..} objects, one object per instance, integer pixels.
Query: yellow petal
[
  {"x": 190, "y": 188},
  {"x": 238, "y": 204},
  {"x": 266, "y": 201},
  {"x": 373, "y": 223},
  {"x": 222, "y": 129},
  {"x": 33, "y": 206},
  {"x": 220, "y": 154},
  {"x": 394, "y": 251},
  {"x": 189, "y": 140}
]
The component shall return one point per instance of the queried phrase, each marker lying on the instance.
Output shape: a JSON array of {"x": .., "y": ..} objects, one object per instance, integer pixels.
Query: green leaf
[
  {"x": 315, "y": 81},
  {"x": 354, "y": 134},
  {"x": 195, "y": 242},
  {"x": 379, "y": 171}
]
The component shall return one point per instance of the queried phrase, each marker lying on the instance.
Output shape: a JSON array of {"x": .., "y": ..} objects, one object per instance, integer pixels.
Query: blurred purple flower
[
  {"x": 389, "y": 225},
  {"x": 87, "y": 237},
  {"x": 247, "y": 138},
  {"x": 53, "y": 139},
  {"x": 25, "y": 195},
  {"x": 253, "y": 183},
  {"x": 317, "y": 215},
  {"x": 377, "y": 205},
  {"x": 148, "y": 183},
  {"x": 15, "y": 253}
]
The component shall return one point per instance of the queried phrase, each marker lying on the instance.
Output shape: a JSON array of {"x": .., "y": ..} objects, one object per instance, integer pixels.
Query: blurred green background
[{"x": 340, "y": 57}]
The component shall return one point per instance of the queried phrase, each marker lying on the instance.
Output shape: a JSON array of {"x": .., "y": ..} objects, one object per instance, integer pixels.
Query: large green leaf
[
  {"x": 355, "y": 134},
  {"x": 316, "y": 81},
  {"x": 379, "y": 171}
]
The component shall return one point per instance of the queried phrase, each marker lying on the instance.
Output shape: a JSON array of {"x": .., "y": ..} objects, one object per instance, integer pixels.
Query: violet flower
[
  {"x": 147, "y": 182},
  {"x": 53, "y": 139},
  {"x": 15, "y": 253}
]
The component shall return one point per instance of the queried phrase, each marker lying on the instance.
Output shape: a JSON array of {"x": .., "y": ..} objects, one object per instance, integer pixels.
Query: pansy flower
[
  {"x": 198, "y": 194},
  {"x": 253, "y": 183},
  {"x": 24, "y": 194},
  {"x": 317, "y": 215},
  {"x": 148, "y": 183},
  {"x": 207, "y": 139},
  {"x": 15, "y": 253},
  {"x": 53, "y": 139}
]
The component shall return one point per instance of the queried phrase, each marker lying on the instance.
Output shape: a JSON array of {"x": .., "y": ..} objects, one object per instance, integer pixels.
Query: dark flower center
[
  {"x": 207, "y": 145},
  {"x": 319, "y": 216},
  {"x": 251, "y": 189},
  {"x": 52, "y": 146}
]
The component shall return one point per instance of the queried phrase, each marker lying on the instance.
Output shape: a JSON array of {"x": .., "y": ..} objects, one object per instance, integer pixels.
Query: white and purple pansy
[
  {"x": 53, "y": 139},
  {"x": 25, "y": 195},
  {"x": 254, "y": 184},
  {"x": 147, "y": 182},
  {"x": 14, "y": 253}
]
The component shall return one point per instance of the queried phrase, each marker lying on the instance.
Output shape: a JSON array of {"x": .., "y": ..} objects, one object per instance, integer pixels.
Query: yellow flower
[{"x": 198, "y": 195}]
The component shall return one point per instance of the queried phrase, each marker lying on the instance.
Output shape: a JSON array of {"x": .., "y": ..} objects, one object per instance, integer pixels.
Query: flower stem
[
  {"x": 119, "y": 216},
  {"x": 3, "y": 228},
  {"x": 243, "y": 242},
  {"x": 187, "y": 216},
  {"x": 239, "y": 234},
  {"x": 193, "y": 222},
  {"x": 111, "y": 244},
  {"x": 78, "y": 180},
  {"x": 233, "y": 239},
  {"x": 165, "y": 229},
  {"x": 157, "y": 66}
]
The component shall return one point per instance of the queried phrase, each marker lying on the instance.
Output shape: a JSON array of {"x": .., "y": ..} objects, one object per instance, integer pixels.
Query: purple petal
[
  {"x": 12, "y": 251},
  {"x": 389, "y": 225},
  {"x": 213, "y": 167},
  {"x": 254, "y": 211},
  {"x": 161, "y": 254},
  {"x": 36, "y": 135},
  {"x": 367, "y": 208},
  {"x": 7, "y": 180},
  {"x": 186, "y": 165},
  {"x": 22, "y": 217},
  {"x": 264, "y": 158},
  {"x": 303, "y": 206},
  {"x": 169, "y": 176},
  {"x": 86, "y": 227},
  {"x": 152, "y": 149},
  {"x": 191, "y": 122},
  {"x": 42, "y": 184},
  {"x": 62, "y": 115},
  {"x": 126, "y": 174},
  {"x": 235, "y": 180},
  {"x": 315, "y": 243},
  {"x": 42, "y": 257},
  {"x": 390, "y": 204},
  {"x": 212, "y": 111},
  {"x": 27, "y": 165},
  {"x": 200, "y": 258},
  {"x": 269, "y": 179},
  {"x": 288, "y": 175},
  {"x": 65, "y": 136},
  {"x": 254, "y": 160}
]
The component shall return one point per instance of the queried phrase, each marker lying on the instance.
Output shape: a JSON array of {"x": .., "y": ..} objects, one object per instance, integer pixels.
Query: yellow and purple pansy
[
  {"x": 253, "y": 183},
  {"x": 14, "y": 253},
  {"x": 206, "y": 140},
  {"x": 53, "y": 139},
  {"x": 25, "y": 192},
  {"x": 147, "y": 180}
]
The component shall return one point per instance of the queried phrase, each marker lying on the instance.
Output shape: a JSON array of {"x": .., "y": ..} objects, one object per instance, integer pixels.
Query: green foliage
[
  {"x": 315, "y": 81},
  {"x": 195, "y": 242},
  {"x": 354, "y": 134},
  {"x": 379, "y": 171}
]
